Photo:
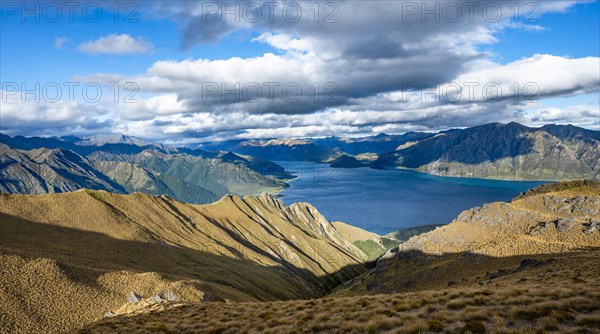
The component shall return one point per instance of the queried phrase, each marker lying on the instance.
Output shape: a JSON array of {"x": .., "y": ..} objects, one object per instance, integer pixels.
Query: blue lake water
[{"x": 383, "y": 201}]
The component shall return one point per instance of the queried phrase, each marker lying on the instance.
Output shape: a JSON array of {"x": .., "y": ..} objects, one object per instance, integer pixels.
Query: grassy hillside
[
  {"x": 373, "y": 245},
  {"x": 560, "y": 297},
  {"x": 81, "y": 253},
  {"x": 551, "y": 221},
  {"x": 548, "y": 219},
  {"x": 517, "y": 278},
  {"x": 69, "y": 258}
]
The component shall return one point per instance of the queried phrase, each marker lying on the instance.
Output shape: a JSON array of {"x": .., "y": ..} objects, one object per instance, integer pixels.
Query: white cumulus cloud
[{"x": 116, "y": 44}]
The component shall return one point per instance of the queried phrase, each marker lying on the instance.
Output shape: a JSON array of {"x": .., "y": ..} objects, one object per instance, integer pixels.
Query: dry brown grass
[
  {"x": 548, "y": 301},
  {"x": 66, "y": 259},
  {"x": 572, "y": 308},
  {"x": 416, "y": 292}
]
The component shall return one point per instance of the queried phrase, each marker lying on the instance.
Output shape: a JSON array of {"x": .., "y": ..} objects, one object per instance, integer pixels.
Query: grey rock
[
  {"x": 591, "y": 227},
  {"x": 169, "y": 295},
  {"x": 537, "y": 229},
  {"x": 133, "y": 298},
  {"x": 156, "y": 298},
  {"x": 564, "y": 224},
  {"x": 500, "y": 272},
  {"x": 109, "y": 314},
  {"x": 530, "y": 263}
]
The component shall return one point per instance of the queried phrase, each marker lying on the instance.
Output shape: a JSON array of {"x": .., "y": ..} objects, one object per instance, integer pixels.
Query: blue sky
[
  {"x": 28, "y": 47},
  {"x": 369, "y": 54},
  {"x": 574, "y": 33}
]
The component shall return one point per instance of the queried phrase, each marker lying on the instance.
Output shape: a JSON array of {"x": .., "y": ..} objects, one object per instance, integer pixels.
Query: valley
[
  {"x": 85, "y": 262},
  {"x": 115, "y": 234}
]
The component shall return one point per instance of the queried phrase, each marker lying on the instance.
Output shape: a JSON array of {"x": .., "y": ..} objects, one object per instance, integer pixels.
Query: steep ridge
[
  {"x": 69, "y": 258},
  {"x": 42, "y": 171},
  {"x": 505, "y": 151}
]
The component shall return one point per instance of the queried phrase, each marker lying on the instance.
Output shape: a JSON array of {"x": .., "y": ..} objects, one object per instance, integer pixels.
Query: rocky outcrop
[
  {"x": 562, "y": 218},
  {"x": 133, "y": 298}
]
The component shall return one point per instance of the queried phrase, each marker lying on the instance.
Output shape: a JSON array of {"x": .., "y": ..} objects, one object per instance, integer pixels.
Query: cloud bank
[{"x": 340, "y": 68}]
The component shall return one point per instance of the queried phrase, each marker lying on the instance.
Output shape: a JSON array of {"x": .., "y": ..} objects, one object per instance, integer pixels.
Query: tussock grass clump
[
  {"x": 435, "y": 325},
  {"x": 473, "y": 327}
]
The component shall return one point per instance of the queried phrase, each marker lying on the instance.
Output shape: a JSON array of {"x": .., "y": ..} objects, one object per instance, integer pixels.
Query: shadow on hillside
[
  {"x": 79, "y": 248},
  {"x": 413, "y": 270}
]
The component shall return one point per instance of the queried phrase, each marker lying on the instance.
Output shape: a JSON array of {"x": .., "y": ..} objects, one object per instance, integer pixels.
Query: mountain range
[
  {"x": 125, "y": 164},
  {"x": 316, "y": 149},
  {"x": 504, "y": 151},
  {"x": 495, "y": 151}
]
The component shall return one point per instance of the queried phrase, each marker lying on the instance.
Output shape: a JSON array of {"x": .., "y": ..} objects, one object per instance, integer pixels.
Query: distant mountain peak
[
  {"x": 118, "y": 138},
  {"x": 70, "y": 139}
]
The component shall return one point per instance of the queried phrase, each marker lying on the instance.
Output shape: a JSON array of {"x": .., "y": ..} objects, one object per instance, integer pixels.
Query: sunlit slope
[
  {"x": 84, "y": 251},
  {"x": 373, "y": 245},
  {"x": 550, "y": 219},
  {"x": 42, "y": 171}
]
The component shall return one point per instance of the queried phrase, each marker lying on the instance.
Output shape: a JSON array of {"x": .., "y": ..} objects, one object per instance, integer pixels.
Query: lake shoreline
[{"x": 383, "y": 201}]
